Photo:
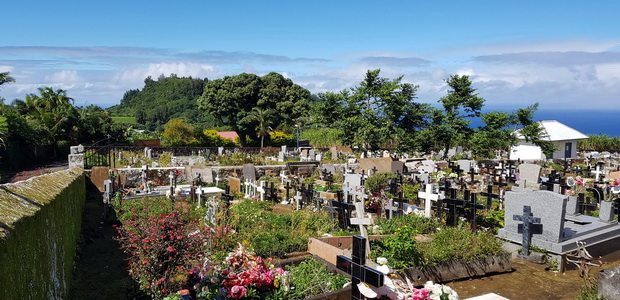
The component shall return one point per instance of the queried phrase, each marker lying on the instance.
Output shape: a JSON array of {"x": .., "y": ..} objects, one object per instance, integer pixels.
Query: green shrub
[
  {"x": 452, "y": 243},
  {"x": 310, "y": 278}
]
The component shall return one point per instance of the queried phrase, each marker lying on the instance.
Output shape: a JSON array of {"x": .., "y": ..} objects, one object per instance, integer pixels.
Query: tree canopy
[
  {"x": 164, "y": 99},
  {"x": 232, "y": 98}
]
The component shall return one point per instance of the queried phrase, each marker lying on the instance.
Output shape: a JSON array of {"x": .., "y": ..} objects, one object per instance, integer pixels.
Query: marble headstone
[
  {"x": 249, "y": 172},
  {"x": 548, "y": 206},
  {"x": 528, "y": 176}
]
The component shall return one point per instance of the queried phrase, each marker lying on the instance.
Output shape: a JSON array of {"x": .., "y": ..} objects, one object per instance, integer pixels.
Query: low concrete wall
[
  {"x": 40, "y": 220},
  {"x": 460, "y": 269}
]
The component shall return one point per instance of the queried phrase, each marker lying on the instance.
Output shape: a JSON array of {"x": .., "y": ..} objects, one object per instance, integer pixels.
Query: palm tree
[
  {"x": 5, "y": 78},
  {"x": 263, "y": 118}
]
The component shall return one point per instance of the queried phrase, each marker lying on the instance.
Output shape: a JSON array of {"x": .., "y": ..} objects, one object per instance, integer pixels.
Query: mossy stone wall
[{"x": 40, "y": 221}]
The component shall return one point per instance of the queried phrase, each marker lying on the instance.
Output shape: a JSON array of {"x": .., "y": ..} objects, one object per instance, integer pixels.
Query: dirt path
[
  {"x": 527, "y": 281},
  {"x": 100, "y": 271}
]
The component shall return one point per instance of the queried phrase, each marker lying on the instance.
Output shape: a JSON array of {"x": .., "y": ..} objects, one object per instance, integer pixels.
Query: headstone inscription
[{"x": 356, "y": 267}]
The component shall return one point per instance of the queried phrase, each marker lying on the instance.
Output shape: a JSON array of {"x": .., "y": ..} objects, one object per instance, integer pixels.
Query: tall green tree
[
  {"x": 380, "y": 112},
  {"x": 450, "y": 127},
  {"x": 232, "y": 98}
]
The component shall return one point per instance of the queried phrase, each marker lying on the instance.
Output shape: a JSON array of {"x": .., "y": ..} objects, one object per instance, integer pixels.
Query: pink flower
[
  {"x": 420, "y": 294},
  {"x": 237, "y": 292}
]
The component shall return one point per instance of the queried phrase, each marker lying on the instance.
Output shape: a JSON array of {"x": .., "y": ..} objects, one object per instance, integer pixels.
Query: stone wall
[{"x": 40, "y": 221}]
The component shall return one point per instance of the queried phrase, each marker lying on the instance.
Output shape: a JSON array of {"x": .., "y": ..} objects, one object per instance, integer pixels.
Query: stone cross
[
  {"x": 597, "y": 172},
  {"x": 362, "y": 222},
  {"x": 531, "y": 225},
  {"x": 298, "y": 202},
  {"x": 429, "y": 196},
  {"x": 390, "y": 209},
  {"x": 356, "y": 267}
]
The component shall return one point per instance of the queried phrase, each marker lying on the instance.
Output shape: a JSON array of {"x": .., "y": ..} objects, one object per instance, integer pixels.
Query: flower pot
[
  {"x": 606, "y": 211},
  {"x": 572, "y": 205}
]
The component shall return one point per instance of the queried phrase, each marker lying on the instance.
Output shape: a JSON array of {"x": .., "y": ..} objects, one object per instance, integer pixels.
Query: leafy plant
[{"x": 310, "y": 278}]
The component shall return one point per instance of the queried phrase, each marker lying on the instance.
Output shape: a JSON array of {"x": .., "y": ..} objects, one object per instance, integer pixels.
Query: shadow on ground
[{"x": 100, "y": 267}]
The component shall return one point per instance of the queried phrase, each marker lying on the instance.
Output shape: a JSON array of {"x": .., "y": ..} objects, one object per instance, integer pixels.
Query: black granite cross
[
  {"x": 529, "y": 227},
  {"x": 490, "y": 196},
  {"x": 288, "y": 187},
  {"x": 356, "y": 267}
]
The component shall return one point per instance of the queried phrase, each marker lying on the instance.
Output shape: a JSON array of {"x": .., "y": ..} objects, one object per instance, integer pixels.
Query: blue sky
[{"x": 562, "y": 54}]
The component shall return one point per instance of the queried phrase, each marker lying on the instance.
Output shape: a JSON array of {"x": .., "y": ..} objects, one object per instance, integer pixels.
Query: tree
[
  {"x": 263, "y": 119},
  {"x": 232, "y": 98},
  {"x": 386, "y": 114},
  {"x": 532, "y": 131},
  {"x": 451, "y": 126},
  {"x": 496, "y": 134},
  {"x": 178, "y": 133},
  {"x": 5, "y": 78}
]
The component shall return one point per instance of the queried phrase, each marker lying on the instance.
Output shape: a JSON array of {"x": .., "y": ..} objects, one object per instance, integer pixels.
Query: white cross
[
  {"x": 360, "y": 220},
  {"x": 262, "y": 189},
  {"x": 597, "y": 172},
  {"x": 391, "y": 208},
  {"x": 428, "y": 196},
  {"x": 297, "y": 199}
]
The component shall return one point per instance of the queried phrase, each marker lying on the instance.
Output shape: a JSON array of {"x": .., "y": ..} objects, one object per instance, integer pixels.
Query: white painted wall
[
  {"x": 526, "y": 151},
  {"x": 561, "y": 146}
]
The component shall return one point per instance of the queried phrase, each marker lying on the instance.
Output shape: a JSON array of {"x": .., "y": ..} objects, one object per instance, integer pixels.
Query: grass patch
[{"x": 125, "y": 120}]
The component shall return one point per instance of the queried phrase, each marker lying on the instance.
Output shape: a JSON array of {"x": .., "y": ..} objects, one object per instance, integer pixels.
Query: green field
[{"x": 125, "y": 120}]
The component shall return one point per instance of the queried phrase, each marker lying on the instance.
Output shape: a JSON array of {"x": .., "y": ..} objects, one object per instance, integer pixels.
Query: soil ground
[{"x": 100, "y": 267}]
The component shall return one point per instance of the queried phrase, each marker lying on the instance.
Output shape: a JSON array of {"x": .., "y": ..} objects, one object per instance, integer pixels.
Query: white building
[{"x": 563, "y": 137}]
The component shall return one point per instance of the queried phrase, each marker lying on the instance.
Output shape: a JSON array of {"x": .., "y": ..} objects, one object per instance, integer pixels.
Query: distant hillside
[{"x": 162, "y": 100}]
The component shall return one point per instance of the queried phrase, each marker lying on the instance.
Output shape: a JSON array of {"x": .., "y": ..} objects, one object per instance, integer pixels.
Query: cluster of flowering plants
[
  {"x": 161, "y": 247},
  {"x": 241, "y": 275},
  {"x": 23, "y": 175}
]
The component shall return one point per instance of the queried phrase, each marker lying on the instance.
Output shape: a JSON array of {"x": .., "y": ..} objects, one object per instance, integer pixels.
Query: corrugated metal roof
[{"x": 556, "y": 131}]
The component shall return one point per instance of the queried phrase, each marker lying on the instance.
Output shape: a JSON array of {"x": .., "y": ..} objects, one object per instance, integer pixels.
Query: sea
[
  {"x": 585, "y": 121},
  {"x": 603, "y": 122}
]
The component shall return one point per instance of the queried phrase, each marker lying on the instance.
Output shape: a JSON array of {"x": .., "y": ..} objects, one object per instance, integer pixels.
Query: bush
[
  {"x": 452, "y": 243},
  {"x": 161, "y": 245},
  {"x": 310, "y": 278}
]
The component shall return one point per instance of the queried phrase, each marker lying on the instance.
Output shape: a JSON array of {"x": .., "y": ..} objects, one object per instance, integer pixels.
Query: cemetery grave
[{"x": 455, "y": 202}]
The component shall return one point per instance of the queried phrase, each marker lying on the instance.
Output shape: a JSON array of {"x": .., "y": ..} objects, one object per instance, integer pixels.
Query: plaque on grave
[{"x": 234, "y": 184}]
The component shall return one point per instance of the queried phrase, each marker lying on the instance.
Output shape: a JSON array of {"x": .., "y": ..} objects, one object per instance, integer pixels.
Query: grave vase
[
  {"x": 606, "y": 211},
  {"x": 572, "y": 205}
]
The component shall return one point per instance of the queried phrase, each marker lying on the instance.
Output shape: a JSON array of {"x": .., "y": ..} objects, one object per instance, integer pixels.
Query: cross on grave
[
  {"x": 531, "y": 225},
  {"x": 288, "y": 187},
  {"x": 391, "y": 210},
  {"x": 272, "y": 193},
  {"x": 586, "y": 206},
  {"x": 472, "y": 172},
  {"x": 356, "y": 267},
  {"x": 362, "y": 222},
  {"x": 456, "y": 207},
  {"x": 429, "y": 196},
  {"x": 348, "y": 191},
  {"x": 298, "y": 199},
  {"x": 597, "y": 172},
  {"x": 472, "y": 206},
  {"x": 490, "y": 196}
]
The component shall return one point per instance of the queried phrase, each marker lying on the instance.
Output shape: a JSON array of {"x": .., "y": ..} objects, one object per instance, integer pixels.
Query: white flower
[{"x": 382, "y": 260}]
